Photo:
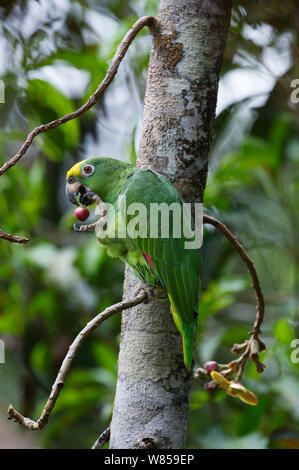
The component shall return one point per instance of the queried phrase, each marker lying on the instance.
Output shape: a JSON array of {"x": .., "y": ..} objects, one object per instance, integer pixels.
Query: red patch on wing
[{"x": 149, "y": 261}]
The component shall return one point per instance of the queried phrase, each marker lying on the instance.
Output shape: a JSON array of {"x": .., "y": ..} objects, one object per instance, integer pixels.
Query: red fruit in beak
[{"x": 81, "y": 213}]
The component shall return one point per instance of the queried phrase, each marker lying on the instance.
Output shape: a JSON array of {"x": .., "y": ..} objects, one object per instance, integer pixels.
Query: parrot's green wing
[{"x": 177, "y": 268}]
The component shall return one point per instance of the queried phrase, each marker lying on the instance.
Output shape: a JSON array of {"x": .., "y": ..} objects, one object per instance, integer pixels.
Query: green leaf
[
  {"x": 198, "y": 399},
  {"x": 105, "y": 356},
  {"x": 283, "y": 332},
  {"x": 220, "y": 294},
  {"x": 47, "y": 103}
]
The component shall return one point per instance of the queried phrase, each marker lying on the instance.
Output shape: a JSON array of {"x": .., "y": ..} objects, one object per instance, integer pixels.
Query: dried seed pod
[
  {"x": 200, "y": 373},
  {"x": 260, "y": 367},
  {"x": 210, "y": 366}
]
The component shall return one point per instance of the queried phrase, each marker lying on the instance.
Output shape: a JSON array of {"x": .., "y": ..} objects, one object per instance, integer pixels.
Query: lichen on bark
[{"x": 181, "y": 92}]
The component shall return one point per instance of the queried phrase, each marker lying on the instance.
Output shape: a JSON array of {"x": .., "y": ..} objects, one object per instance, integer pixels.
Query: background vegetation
[{"x": 54, "y": 53}]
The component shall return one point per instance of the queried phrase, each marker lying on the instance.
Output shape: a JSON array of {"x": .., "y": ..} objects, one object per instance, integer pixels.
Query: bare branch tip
[
  {"x": 13, "y": 238},
  {"x": 102, "y": 439},
  {"x": 68, "y": 360}
]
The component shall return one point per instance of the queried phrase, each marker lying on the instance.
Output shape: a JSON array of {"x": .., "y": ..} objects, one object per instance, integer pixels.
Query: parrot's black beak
[
  {"x": 72, "y": 190},
  {"x": 77, "y": 192}
]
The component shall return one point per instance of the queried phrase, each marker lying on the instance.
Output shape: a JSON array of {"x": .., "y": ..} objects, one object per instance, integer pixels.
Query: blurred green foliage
[{"x": 50, "y": 288}]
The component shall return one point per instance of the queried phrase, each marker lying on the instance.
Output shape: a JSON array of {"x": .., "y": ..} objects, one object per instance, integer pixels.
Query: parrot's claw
[
  {"x": 85, "y": 228},
  {"x": 152, "y": 292},
  {"x": 160, "y": 293}
]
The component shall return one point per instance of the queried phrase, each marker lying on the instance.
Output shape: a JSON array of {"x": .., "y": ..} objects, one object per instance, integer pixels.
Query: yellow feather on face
[{"x": 75, "y": 170}]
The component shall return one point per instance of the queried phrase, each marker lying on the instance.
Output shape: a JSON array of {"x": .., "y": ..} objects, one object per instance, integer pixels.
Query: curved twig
[
  {"x": 112, "y": 70},
  {"x": 254, "y": 345},
  {"x": 102, "y": 439},
  {"x": 68, "y": 360},
  {"x": 250, "y": 265}
]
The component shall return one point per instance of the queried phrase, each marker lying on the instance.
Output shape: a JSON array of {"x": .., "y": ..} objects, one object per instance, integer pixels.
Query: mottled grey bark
[{"x": 152, "y": 393}]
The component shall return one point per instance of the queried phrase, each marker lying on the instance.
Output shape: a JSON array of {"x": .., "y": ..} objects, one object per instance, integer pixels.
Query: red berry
[
  {"x": 81, "y": 213},
  {"x": 210, "y": 366},
  {"x": 211, "y": 386}
]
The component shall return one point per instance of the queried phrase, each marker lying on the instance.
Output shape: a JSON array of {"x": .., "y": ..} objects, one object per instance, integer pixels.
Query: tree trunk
[{"x": 153, "y": 387}]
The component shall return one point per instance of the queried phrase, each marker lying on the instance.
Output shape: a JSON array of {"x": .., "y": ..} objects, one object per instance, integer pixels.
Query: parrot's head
[{"x": 88, "y": 178}]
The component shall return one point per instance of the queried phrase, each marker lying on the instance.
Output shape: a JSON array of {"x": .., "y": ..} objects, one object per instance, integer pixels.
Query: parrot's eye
[{"x": 88, "y": 170}]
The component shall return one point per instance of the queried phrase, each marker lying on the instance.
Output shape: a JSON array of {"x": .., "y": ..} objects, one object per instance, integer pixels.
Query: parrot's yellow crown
[{"x": 75, "y": 170}]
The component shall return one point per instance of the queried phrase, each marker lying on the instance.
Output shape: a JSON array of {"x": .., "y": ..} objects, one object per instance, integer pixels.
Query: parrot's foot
[
  {"x": 152, "y": 292},
  {"x": 85, "y": 228},
  {"x": 161, "y": 293}
]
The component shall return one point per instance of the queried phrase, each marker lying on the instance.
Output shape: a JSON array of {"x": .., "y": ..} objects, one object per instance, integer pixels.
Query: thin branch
[
  {"x": 254, "y": 345},
  {"x": 112, "y": 70},
  {"x": 102, "y": 439},
  {"x": 250, "y": 265},
  {"x": 13, "y": 238},
  {"x": 68, "y": 360}
]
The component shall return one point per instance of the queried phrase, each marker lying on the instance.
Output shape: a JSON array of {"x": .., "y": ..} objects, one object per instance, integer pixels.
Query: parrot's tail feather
[{"x": 187, "y": 332}]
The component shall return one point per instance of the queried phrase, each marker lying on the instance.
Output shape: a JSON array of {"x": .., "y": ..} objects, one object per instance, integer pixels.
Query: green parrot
[{"x": 158, "y": 260}]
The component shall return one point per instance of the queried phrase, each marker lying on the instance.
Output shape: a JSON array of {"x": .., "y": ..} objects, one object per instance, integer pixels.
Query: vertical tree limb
[{"x": 152, "y": 394}]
